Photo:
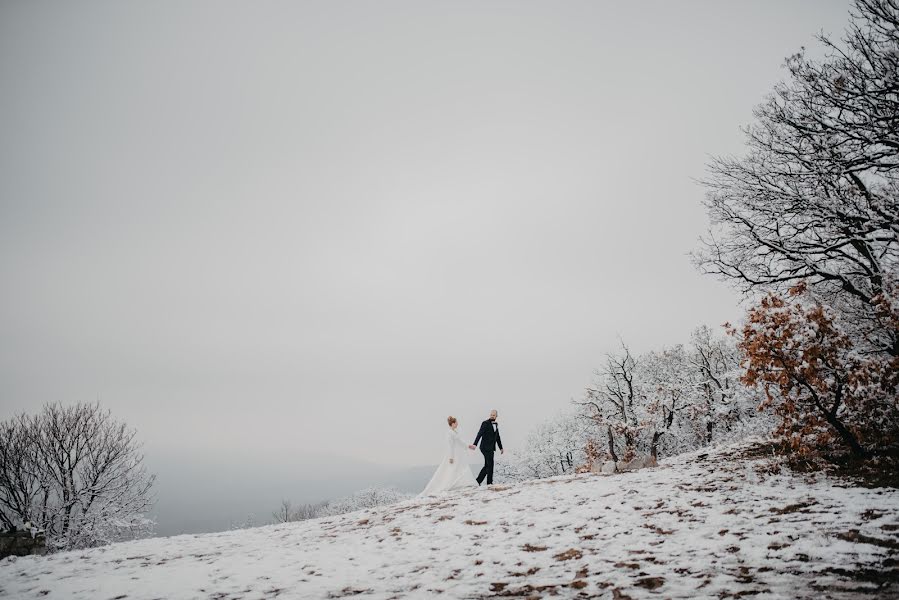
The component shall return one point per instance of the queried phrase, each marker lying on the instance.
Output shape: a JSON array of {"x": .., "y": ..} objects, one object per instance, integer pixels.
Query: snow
[{"x": 702, "y": 525}]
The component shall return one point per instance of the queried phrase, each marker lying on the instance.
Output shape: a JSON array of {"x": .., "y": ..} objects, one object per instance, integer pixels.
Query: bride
[{"x": 453, "y": 473}]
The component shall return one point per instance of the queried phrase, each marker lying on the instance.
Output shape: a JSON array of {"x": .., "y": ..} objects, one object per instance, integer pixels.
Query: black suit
[{"x": 489, "y": 438}]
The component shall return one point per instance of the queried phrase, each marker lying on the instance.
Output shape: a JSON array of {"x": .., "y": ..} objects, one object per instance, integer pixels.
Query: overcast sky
[{"x": 261, "y": 229}]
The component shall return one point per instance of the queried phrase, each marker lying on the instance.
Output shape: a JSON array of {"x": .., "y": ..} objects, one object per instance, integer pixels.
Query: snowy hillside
[{"x": 699, "y": 526}]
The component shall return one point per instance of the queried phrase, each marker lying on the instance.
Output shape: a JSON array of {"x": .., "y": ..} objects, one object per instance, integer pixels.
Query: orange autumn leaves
[{"x": 825, "y": 390}]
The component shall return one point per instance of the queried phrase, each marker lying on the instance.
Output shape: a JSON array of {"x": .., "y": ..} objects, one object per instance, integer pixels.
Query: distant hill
[
  {"x": 705, "y": 525},
  {"x": 201, "y": 495}
]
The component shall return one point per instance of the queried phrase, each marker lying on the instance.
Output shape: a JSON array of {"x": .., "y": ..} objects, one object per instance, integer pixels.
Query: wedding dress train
[{"x": 452, "y": 476}]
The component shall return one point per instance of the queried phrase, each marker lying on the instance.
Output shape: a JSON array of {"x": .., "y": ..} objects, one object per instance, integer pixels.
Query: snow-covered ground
[{"x": 698, "y": 526}]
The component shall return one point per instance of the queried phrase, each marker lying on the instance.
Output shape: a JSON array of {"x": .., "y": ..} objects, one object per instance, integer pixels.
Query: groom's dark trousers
[
  {"x": 488, "y": 435},
  {"x": 487, "y": 471}
]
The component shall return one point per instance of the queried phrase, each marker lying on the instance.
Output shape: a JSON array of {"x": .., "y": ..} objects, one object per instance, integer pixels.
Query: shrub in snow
[
  {"x": 367, "y": 498},
  {"x": 288, "y": 512}
]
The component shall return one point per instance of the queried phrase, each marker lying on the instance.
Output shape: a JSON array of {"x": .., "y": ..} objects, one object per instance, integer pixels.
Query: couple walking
[{"x": 453, "y": 473}]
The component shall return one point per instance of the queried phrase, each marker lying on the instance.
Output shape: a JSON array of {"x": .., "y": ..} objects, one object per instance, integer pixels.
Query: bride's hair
[{"x": 450, "y": 421}]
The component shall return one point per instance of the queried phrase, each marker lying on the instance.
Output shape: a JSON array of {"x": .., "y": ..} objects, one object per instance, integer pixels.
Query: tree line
[
  {"x": 367, "y": 498},
  {"x": 806, "y": 225},
  {"x": 659, "y": 403}
]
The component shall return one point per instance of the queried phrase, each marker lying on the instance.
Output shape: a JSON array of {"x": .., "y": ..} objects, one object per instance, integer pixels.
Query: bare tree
[
  {"x": 671, "y": 383},
  {"x": 611, "y": 402},
  {"x": 20, "y": 485},
  {"x": 815, "y": 198},
  {"x": 76, "y": 473},
  {"x": 285, "y": 513},
  {"x": 727, "y": 405}
]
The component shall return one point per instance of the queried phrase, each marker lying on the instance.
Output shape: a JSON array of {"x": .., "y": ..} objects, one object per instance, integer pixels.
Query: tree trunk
[
  {"x": 654, "y": 448},
  {"x": 857, "y": 450},
  {"x": 612, "y": 445}
]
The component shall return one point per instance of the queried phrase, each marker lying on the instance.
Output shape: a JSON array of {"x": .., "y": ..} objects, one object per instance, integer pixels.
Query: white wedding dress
[{"x": 452, "y": 476}]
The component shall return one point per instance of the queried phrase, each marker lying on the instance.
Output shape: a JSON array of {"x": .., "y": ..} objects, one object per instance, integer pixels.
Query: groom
[{"x": 489, "y": 436}]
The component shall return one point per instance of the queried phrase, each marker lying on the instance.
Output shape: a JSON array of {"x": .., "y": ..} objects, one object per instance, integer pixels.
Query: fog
[{"x": 268, "y": 235}]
